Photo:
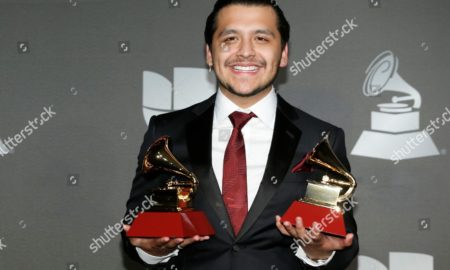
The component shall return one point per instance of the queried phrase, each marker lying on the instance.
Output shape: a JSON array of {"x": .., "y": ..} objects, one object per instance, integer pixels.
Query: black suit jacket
[{"x": 259, "y": 244}]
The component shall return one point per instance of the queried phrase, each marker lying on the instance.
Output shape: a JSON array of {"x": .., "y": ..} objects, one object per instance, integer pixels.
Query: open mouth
[{"x": 245, "y": 69}]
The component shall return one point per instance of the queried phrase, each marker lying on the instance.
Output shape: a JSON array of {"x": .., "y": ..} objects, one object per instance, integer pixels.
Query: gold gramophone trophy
[
  {"x": 171, "y": 214},
  {"x": 324, "y": 198}
]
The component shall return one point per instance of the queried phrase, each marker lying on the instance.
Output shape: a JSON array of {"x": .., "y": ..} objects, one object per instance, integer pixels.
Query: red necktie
[{"x": 234, "y": 184}]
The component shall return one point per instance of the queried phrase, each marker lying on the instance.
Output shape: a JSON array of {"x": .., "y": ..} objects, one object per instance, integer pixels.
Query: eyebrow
[
  {"x": 265, "y": 32},
  {"x": 227, "y": 32},
  {"x": 259, "y": 31}
]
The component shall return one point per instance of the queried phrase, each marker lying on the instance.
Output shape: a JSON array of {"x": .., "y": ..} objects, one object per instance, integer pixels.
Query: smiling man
[{"x": 245, "y": 178}]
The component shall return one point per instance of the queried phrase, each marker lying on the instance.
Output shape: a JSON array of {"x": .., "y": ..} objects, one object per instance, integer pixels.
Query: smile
[{"x": 246, "y": 68}]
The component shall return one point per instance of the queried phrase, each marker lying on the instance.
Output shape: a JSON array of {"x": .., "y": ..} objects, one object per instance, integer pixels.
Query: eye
[
  {"x": 262, "y": 39},
  {"x": 230, "y": 39}
]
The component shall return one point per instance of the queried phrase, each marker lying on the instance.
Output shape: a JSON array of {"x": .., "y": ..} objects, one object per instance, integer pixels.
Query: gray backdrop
[{"x": 73, "y": 86}]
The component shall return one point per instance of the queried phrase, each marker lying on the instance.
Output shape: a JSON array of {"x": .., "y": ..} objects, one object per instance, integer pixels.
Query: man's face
[{"x": 246, "y": 52}]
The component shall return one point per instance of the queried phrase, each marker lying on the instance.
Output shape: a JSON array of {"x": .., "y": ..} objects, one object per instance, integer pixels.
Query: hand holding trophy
[
  {"x": 172, "y": 214},
  {"x": 324, "y": 198}
]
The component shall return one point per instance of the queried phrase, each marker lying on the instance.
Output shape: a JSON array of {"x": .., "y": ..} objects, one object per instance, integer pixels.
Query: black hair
[{"x": 211, "y": 21}]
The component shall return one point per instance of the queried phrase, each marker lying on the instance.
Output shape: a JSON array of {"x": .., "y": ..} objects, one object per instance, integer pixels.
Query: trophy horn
[
  {"x": 323, "y": 156},
  {"x": 159, "y": 158}
]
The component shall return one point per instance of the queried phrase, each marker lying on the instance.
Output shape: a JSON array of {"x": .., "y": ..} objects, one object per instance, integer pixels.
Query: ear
[
  {"x": 284, "y": 56},
  {"x": 208, "y": 54}
]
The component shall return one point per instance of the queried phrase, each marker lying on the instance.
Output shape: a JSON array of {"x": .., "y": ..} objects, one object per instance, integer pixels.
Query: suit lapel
[
  {"x": 284, "y": 143},
  {"x": 199, "y": 133}
]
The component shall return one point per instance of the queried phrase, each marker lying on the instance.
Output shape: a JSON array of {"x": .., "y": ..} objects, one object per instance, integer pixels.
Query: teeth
[{"x": 245, "y": 68}]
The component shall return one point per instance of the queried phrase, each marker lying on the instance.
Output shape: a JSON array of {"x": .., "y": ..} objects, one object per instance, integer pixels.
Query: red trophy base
[
  {"x": 170, "y": 224},
  {"x": 332, "y": 221}
]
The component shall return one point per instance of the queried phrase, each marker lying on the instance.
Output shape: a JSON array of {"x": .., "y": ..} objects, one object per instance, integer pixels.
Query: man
[{"x": 246, "y": 44}]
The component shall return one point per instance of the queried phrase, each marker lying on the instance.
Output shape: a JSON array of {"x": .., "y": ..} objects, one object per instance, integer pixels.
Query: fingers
[
  {"x": 314, "y": 242},
  {"x": 280, "y": 226},
  {"x": 348, "y": 241},
  {"x": 316, "y": 233},
  {"x": 148, "y": 243},
  {"x": 194, "y": 239},
  {"x": 341, "y": 243},
  {"x": 300, "y": 228},
  {"x": 165, "y": 243},
  {"x": 172, "y": 243},
  {"x": 335, "y": 243},
  {"x": 291, "y": 229},
  {"x": 286, "y": 228}
]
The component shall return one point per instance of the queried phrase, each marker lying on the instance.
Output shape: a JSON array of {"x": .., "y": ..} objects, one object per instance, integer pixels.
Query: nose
[{"x": 246, "y": 49}]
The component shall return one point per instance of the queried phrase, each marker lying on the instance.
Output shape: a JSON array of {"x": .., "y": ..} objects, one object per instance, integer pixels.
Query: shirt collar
[{"x": 265, "y": 109}]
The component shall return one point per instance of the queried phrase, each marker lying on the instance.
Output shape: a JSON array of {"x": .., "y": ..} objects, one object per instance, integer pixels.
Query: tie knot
[{"x": 239, "y": 119}]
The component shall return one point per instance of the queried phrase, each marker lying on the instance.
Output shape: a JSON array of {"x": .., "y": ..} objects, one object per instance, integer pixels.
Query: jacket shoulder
[
  {"x": 302, "y": 118},
  {"x": 183, "y": 115}
]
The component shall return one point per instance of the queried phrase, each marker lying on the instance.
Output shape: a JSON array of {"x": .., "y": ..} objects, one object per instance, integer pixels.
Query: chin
[{"x": 247, "y": 92}]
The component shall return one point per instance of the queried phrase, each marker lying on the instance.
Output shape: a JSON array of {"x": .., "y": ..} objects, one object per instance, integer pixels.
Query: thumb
[
  {"x": 126, "y": 228},
  {"x": 348, "y": 239}
]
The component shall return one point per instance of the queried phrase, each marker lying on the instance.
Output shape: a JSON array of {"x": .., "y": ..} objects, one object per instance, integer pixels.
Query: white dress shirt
[{"x": 257, "y": 133}]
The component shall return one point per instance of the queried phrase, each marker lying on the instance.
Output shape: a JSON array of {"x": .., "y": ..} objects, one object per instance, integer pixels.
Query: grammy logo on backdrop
[{"x": 394, "y": 123}]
